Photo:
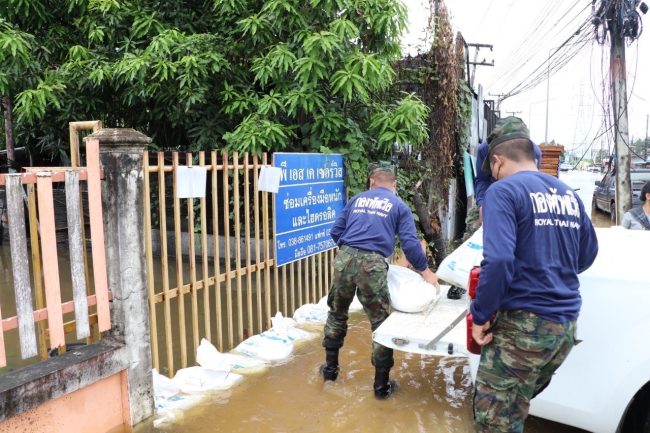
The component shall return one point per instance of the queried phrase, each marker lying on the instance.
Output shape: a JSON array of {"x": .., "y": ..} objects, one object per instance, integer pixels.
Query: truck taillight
[
  {"x": 472, "y": 345},
  {"x": 473, "y": 281}
]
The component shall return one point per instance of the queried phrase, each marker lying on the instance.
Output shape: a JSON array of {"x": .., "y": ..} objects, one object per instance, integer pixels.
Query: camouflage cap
[
  {"x": 508, "y": 128},
  {"x": 377, "y": 167}
]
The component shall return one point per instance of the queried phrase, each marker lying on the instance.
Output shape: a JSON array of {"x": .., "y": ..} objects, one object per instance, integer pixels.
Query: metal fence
[
  {"x": 211, "y": 270},
  {"x": 37, "y": 288}
]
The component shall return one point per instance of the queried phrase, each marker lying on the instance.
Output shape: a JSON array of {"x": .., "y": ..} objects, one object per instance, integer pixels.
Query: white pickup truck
[{"x": 604, "y": 385}]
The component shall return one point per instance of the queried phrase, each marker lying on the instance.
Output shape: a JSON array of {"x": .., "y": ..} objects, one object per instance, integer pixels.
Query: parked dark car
[{"x": 605, "y": 191}]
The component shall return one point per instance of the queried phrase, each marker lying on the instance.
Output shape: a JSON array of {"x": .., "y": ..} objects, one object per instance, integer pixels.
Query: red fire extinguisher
[{"x": 472, "y": 345}]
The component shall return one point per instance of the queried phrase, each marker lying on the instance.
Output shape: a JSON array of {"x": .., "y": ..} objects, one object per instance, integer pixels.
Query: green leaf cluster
[{"x": 245, "y": 75}]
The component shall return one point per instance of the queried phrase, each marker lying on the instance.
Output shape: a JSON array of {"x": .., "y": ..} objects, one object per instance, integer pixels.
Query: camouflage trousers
[
  {"x": 516, "y": 366},
  {"x": 364, "y": 273},
  {"x": 472, "y": 222}
]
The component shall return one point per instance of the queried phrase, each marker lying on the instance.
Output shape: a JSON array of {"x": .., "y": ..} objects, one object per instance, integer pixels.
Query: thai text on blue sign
[{"x": 310, "y": 197}]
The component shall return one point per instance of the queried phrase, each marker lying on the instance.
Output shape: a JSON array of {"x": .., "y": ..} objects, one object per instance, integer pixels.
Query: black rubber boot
[
  {"x": 384, "y": 388},
  {"x": 330, "y": 369}
]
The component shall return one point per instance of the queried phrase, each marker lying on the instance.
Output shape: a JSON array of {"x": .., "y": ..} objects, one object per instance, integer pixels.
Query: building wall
[{"x": 99, "y": 408}]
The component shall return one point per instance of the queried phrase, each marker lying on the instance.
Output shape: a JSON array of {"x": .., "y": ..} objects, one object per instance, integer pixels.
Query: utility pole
[
  {"x": 619, "y": 100},
  {"x": 548, "y": 90},
  {"x": 476, "y": 63},
  {"x": 645, "y": 143}
]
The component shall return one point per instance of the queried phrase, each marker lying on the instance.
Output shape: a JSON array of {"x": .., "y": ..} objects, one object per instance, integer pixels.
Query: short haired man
[
  {"x": 365, "y": 233},
  {"x": 537, "y": 239},
  {"x": 638, "y": 218},
  {"x": 484, "y": 178}
]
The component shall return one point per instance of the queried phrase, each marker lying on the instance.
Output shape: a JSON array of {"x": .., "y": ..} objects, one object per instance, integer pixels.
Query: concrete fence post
[{"x": 121, "y": 157}]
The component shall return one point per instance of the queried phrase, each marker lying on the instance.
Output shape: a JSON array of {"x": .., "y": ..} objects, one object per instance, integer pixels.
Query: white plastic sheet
[
  {"x": 409, "y": 292},
  {"x": 455, "y": 268}
]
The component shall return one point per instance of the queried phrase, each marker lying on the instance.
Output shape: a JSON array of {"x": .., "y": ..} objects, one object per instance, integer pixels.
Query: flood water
[{"x": 434, "y": 394}]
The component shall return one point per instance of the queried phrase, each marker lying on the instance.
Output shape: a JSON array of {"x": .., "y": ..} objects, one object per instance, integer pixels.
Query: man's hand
[
  {"x": 479, "y": 333},
  {"x": 429, "y": 276}
]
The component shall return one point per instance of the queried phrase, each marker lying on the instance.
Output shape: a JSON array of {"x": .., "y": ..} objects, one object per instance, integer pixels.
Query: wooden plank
[
  {"x": 267, "y": 251},
  {"x": 247, "y": 236},
  {"x": 226, "y": 235},
  {"x": 50, "y": 263},
  {"x": 215, "y": 241},
  {"x": 75, "y": 247},
  {"x": 237, "y": 217},
  {"x": 320, "y": 275},
  {"x": 299, "y": 278},
  {"x": 151, "y": 290},
  {"x": 3, "y": 353},
  {"x": 20, "y": 266},
  {"x": 192, "y": 256},
  {"x": 36, "y": 268},
  {"x": 258, "y": 244},
  {"x": 204, "y": 259},
  {"x": 327, "y": 272},
  {"x": 179, "y": 263},
  {"x": 40, "y": 315},
  {"x": 162, "y": 212},
  {"x": 58, "y": 174},
  {"x": 292, "y": 286},
  {"x": 314, "y": 297},
  {"x": 276, "y": 282},
  {"x": 285, "y": 301},
  {"x": 97, "y": 235}
]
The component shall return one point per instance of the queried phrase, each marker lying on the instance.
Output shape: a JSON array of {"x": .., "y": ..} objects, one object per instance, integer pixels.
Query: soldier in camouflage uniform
[
  {"x": 365, "y": 233},
  {"x": 537, "y": 237}
]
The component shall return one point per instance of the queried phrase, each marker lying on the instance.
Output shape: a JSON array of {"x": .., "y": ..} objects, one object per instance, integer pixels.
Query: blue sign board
[{"x": 310, "y": 198}]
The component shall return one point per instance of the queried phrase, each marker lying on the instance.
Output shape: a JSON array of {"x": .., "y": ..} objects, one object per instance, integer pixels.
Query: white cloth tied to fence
[
  {"x": 455, "y": 268},
  {"x": 409, "y": 292}
]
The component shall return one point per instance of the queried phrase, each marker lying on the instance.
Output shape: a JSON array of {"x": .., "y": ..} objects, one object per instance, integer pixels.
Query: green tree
[{"x": 247, "y": 75}]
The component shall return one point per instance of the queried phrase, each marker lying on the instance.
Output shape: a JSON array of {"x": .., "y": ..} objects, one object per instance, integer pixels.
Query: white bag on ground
[
  {"x": 409, "y": 292},
  {"x": 198, "y": 379},
  {"x": 311, "y": 313},
  {"x": 209, "y": 357},
  {"x": 267, "y": 346},
  {"x": 276, "y": 344},
  {"x": 169, "y": 400},
  {"x": 455, "y": 268}
]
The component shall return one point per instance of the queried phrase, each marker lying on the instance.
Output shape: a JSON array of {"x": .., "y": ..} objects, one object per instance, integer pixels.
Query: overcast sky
[{"x": 523, "y": 33}]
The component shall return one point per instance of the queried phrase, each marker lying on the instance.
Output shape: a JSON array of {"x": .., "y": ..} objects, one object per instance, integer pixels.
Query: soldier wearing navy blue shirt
[
  {"x": 365, "y": 233},
  {"x": 537, "y": 238}
]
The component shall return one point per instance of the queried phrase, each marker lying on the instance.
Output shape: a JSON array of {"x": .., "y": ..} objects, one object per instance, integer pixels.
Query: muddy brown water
[{"x": 434, "y": 395}]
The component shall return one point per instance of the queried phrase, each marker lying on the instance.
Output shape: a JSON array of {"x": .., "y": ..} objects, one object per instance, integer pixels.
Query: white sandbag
[
  {"x": 455, "y": 268},
  {"x": 311, "y": 314},
  {"x": 267, "y": 346},
  {"x": 207, "y": 356},
  {"x": 198, "y": 379},
  {"x": 162, "y": 385},
  {"x": 409, "y": 292}
]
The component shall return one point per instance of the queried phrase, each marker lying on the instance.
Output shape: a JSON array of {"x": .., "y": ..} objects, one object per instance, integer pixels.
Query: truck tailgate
[{"x": 439, "y": 330}]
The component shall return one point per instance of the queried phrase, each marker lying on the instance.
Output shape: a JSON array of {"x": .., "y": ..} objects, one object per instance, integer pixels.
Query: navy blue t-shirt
[
  {"x": 537, "y": 238},
  {"x": 370, "y": 221}
]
